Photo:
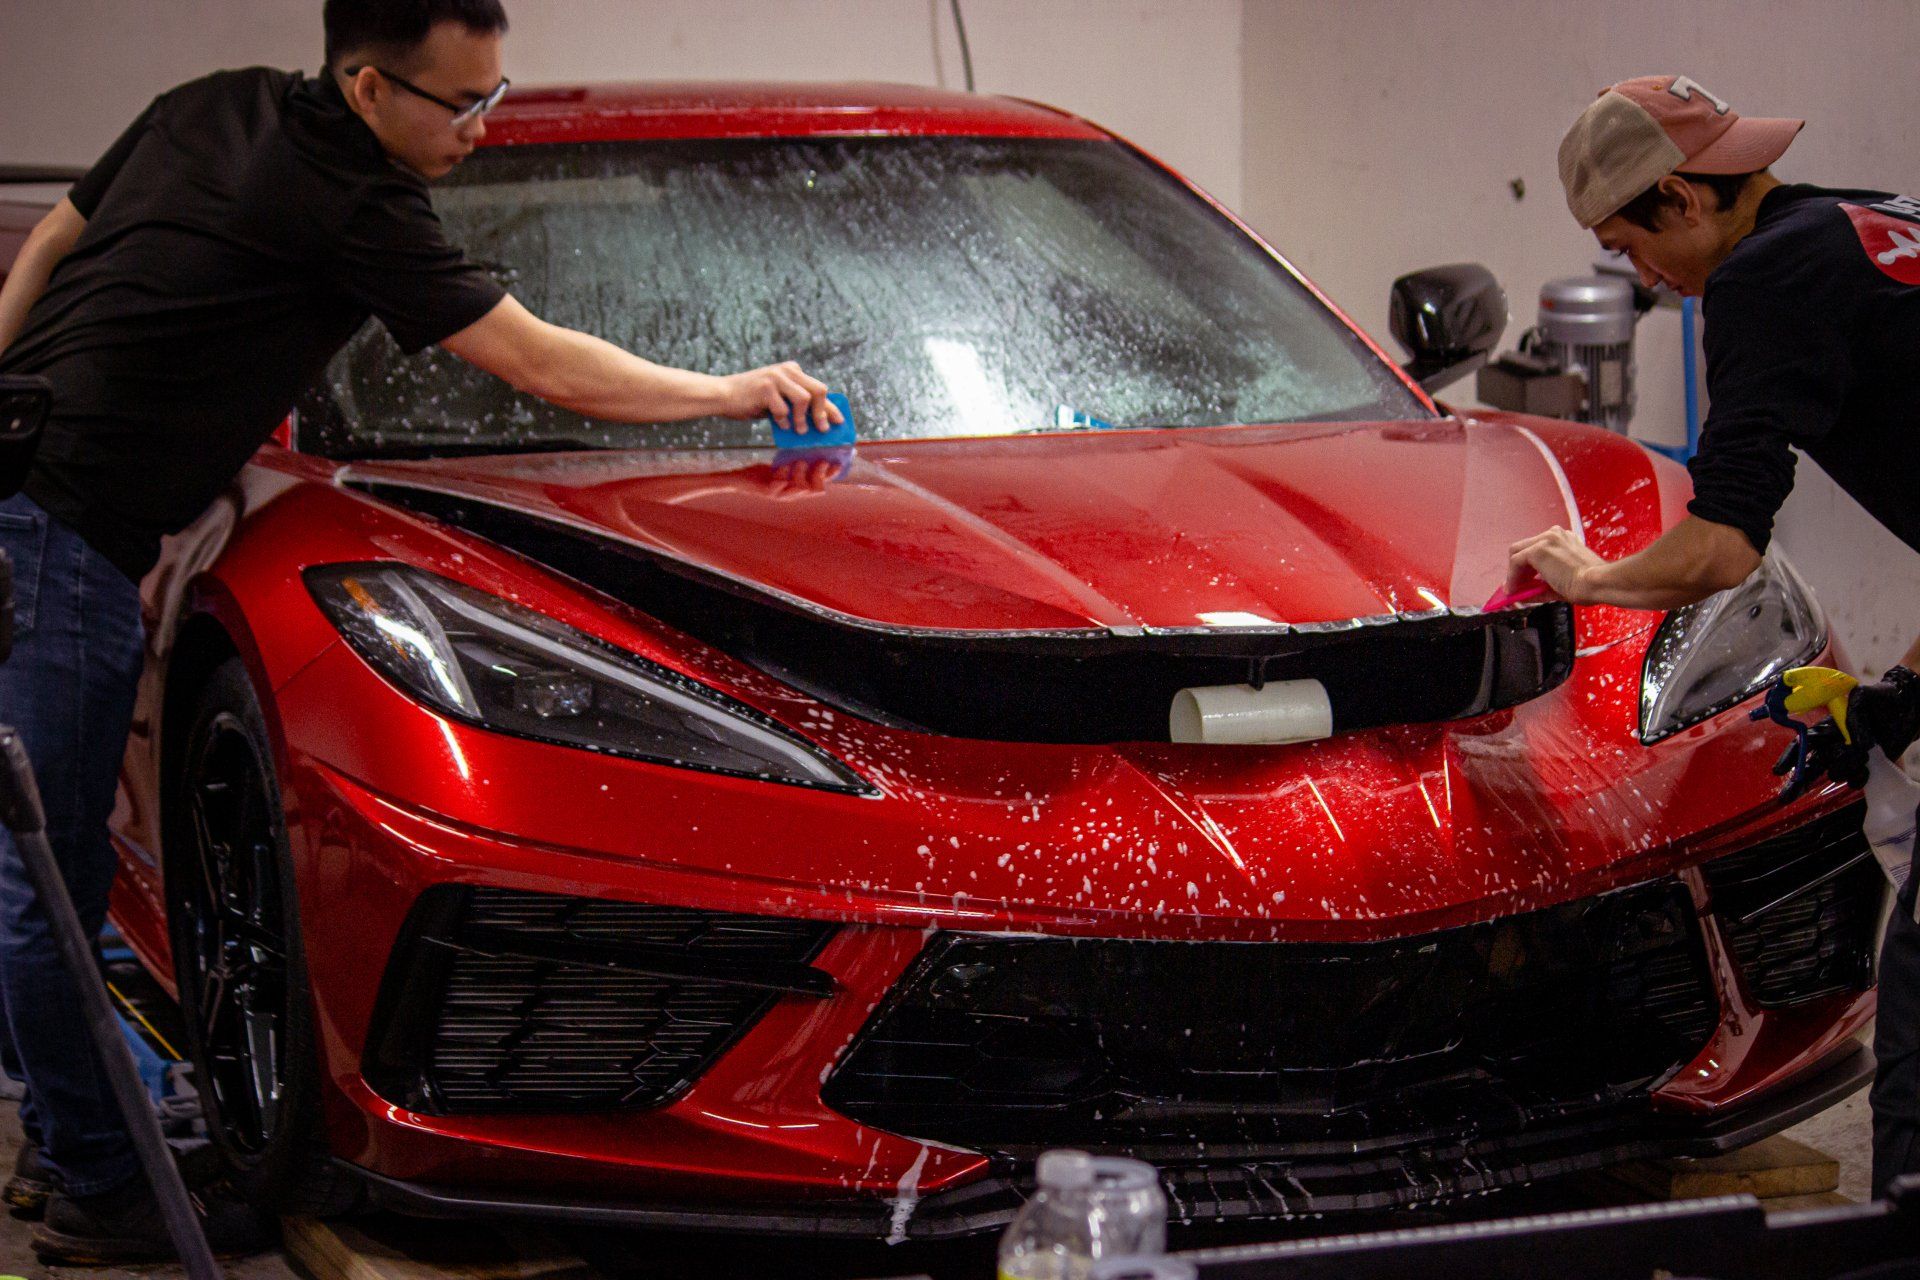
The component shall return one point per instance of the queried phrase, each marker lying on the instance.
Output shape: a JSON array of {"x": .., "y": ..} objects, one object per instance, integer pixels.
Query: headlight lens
[
  {"x": 492, "y": 663},
  {"x": 1708, "y": 656}
]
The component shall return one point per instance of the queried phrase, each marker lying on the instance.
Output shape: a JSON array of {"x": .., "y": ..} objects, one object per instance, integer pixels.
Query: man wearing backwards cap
[{"x": 1812, "y": 307}]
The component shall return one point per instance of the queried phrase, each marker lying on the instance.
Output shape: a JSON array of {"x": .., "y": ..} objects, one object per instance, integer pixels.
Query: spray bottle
[{"x": 1893, "y": 798}]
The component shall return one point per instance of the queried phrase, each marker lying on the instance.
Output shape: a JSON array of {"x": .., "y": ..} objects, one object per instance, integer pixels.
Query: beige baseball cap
[{"x": 1639, "y": 131}]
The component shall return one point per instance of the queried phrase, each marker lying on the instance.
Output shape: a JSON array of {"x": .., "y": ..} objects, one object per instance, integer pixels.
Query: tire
[{"x": 241, "y": 968}]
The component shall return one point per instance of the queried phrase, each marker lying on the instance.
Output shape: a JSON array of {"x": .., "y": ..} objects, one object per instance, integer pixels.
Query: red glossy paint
[
  {"x": 739, "y": 109},
  {"x": 1383, "y": 833}
]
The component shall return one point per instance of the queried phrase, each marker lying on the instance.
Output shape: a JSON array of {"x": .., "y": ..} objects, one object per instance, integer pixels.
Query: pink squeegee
[{"x": 1504, "y": 599}]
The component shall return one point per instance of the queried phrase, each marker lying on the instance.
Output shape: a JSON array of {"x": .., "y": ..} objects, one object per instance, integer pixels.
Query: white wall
[
  {"x": 1166, "y": 73},
  {"x": 1382, "y": 135}
]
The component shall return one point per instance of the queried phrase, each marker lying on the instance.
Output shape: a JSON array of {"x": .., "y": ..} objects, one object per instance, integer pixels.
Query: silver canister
[{"x": 1586, "y": 325}]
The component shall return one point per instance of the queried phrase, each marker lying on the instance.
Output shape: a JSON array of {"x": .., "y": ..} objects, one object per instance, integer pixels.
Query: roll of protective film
[{"x": 1279, "y": 712}]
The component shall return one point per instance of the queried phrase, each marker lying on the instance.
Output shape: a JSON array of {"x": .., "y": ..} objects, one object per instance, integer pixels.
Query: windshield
[{"x": 949, "y": 286}]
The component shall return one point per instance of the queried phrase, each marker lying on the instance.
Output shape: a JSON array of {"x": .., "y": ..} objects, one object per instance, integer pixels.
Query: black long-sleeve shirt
[{"x": 1813, "y": 339}]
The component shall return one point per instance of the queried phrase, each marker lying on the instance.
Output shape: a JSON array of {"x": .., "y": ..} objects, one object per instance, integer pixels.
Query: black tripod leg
[{"x": 20, "y": 807}]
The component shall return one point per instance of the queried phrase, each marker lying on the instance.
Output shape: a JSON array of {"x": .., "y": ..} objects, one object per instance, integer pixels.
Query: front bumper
[{"x": 452, "y": 1130}]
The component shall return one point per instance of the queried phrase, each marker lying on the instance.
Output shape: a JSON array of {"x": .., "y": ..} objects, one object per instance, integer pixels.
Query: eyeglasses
[{"x": 460, "y": 114}]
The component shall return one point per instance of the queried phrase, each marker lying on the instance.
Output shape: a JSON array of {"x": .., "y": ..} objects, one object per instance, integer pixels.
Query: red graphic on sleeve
[{"x": 1892, "y": 243}]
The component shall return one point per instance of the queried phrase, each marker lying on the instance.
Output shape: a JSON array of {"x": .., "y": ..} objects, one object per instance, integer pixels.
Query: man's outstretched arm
[
  {"x": 1688, "y": 563},
  {"x": 50, "y": 240},
  {"x": 589, "y": 376}
]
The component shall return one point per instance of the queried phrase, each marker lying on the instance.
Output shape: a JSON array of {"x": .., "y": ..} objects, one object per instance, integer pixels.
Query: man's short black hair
[
  {"x": 389, "y": 31},
  {"x": 1643, "y": 210}
]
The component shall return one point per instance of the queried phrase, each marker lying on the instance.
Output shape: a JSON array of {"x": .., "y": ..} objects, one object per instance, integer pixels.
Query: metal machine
[{"x": 1577, "y": 361}]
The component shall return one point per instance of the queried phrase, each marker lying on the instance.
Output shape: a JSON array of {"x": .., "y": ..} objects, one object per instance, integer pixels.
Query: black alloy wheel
[
  {"x": 238, "y": 959},
  {"x": 237, "y": 933}
]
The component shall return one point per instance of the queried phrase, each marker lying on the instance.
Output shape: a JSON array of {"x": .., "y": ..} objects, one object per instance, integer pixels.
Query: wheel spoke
[
  {"x": 263, "y": 1059},
  {"x": 209, "y": 850},
  {"x": 213, "y": 1001},
  {"x": 249, "y": 933}
]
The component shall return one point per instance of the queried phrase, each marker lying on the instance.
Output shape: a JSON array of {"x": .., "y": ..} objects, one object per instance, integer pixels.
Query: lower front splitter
[{"x": 1243, "y": 1189}]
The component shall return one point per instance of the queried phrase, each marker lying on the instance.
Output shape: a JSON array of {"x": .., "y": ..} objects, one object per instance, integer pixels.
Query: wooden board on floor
[
  {"x": 412, "y": 1249},
  {"x": 1769, "y": 1169}
]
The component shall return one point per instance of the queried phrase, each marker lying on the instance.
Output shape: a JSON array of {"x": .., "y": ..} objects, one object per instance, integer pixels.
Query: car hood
[{"x": 1184, "y": 529}]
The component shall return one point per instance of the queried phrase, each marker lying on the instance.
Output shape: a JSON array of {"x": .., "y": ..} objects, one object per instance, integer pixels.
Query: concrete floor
[{"x": 1842, "y": 1132}]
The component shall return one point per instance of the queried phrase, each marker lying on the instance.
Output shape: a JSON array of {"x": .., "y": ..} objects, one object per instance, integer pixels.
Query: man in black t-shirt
[
  {"x": 180, "y": 298},
  {"x": 1811, "y": 299}
]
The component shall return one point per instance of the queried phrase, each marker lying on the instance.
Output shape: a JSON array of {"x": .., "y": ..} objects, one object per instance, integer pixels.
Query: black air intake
[
  {"x": 503, "y": 1001},
  {"x": 1159, "y": 1047},
  {"x": 1802, "y": 911}
]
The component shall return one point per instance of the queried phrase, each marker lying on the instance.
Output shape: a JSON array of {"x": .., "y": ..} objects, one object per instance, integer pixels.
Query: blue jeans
[{"x": 69, "y": 690}]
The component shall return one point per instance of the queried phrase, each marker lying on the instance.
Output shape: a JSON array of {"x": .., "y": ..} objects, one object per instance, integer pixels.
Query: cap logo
[{"x": 1684, "y": 87}]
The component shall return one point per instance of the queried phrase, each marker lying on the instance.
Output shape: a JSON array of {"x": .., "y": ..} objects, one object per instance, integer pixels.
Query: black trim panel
[{"x": 1078, "y": 686}]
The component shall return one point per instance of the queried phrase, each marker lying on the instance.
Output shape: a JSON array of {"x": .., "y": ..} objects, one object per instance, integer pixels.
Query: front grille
[
  {"x": 503, "y": 1001},
  {"x": 1802, "y": 911},
  {"x": 1017, "y": 1043}
]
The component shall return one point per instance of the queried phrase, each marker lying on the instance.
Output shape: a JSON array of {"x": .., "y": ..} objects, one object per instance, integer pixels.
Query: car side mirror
[
  {"x": 1449, "y": 319},
  {"x": 24, "y": 403}
]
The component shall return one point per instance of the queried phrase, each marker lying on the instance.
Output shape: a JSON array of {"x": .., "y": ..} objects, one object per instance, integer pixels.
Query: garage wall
[
  {"x": 1387, "y": 139},
  {"x": 73, "y": 72}
]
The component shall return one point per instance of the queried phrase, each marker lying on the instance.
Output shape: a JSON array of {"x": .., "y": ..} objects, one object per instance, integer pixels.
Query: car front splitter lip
[{"x": 992, "y": 1202}]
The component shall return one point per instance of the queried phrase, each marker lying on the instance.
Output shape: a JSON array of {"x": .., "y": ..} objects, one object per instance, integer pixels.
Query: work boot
[
  {"x": 125, "y": 1225},
  {"x": 33, "y": 1181}
]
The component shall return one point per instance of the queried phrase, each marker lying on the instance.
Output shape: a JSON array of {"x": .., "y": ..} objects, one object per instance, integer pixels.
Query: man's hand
[
  {"x": 1687, "y": 563},
  {"x": 1558, "y": 558},
  {"x": 1886, "y": 713},
  {"x": 783, "y": 390}
]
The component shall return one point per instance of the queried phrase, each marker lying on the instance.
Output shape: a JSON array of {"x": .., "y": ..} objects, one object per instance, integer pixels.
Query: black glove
[
  {"x": 1827, "y": 755},
  {"x": 1886, "y": 713}
]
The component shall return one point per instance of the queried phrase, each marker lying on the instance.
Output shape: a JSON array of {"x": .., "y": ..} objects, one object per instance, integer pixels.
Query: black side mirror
[
  {"x": 1449, "y": 319},
  {"x": 24, "y": 403}
]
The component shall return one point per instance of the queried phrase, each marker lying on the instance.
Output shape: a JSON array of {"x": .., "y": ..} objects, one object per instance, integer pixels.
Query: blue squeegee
[{"x": 785, "y": 437}]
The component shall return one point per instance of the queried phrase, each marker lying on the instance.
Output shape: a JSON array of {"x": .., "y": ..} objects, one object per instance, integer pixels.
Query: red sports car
[{"x": 546, "y": 816}]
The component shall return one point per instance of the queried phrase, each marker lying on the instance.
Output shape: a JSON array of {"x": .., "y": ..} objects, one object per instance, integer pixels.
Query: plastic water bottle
[
  {"x": 1129, "y": 1209},
  {"x": 1084, "y": 1210},
  {"x": 1052, "y": 1236},
  {"x": 1892, "y": 798}
]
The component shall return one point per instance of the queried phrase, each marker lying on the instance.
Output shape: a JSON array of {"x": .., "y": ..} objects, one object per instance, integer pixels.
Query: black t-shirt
[
  {"x": 1813, "y": 339},
  {"x": 239, "y": 232}
]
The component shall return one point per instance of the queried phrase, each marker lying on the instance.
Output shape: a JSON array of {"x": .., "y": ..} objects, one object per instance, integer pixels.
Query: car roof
[{"x": 726, "y": 109}]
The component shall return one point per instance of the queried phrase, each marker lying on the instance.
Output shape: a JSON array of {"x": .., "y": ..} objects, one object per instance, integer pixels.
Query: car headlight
[
  {"x": 1708, "y": 656},
  {"x": 501, "y": 666}
]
